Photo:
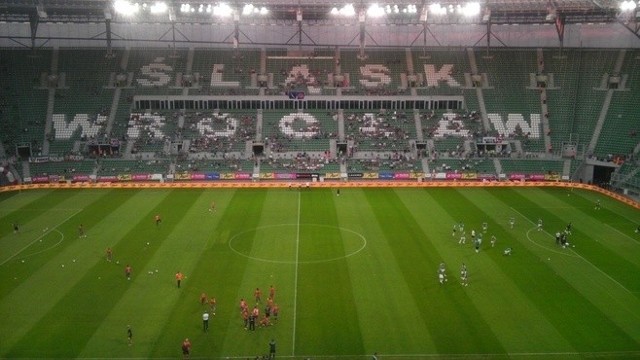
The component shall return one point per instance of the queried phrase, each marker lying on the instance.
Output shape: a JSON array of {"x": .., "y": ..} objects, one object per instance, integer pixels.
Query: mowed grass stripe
[
  {"x": 582, "y": 324},
  {"x": 215, "y": 271},
  {"x": 41, "y": 277},
  {"x": 490, "y": 290},
  {"x": 71, "y": 321},
  {"x": 383, "y": 298},
  {"x": 419, "y": 260},
  {"x": 609, "y": 229},
  {"x": 325, "y": 326},
  {"x": 590, "y": 246},
  {"x": 265, "y": 243},
  {"x": 34, "y": 216},
  {"x": 19, "y": 208},
  {"x": 139, "y": 306}
]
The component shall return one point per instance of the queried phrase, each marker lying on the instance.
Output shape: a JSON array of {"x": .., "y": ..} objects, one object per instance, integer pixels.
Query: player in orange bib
[{"x": 179, "y": 278}]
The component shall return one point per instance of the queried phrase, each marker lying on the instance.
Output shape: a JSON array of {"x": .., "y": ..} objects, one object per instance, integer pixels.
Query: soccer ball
[
  {"x": 23, "y": 261},
  {"x": 62, "y": 265},
  {"x": 147, "y": 243}
]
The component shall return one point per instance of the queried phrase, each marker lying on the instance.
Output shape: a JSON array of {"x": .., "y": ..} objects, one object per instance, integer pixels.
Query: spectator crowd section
[
  {"x": 308, "y": 131},
  {"x": 218, "y": 133},
  {"x": 23, "y": 99},
  {"x": 65, "y": 102},
  {"x": 381, "y": 131}
]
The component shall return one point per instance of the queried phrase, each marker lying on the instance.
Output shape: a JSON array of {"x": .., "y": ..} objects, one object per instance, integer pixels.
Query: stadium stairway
[
  {"x": 425, "y": 165},
  {"x": 543, "y": 104},
  {"x": 605, "y": 106},
  {"x": 498, "y": 165},
  {"x": 416, "y": 118},
  {"x": 410, "y": 69},
  {"x": 341, "y": 125},
  {"x": 259, "y": 120},
  {"x": 566, "y": 168},
  {"x": 26, "y": 170},
  {"x": 479, "y": 94}
]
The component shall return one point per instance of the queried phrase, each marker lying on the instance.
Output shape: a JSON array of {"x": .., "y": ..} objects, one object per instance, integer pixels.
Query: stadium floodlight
[
  {"x": 159, "y": 7},
  {"x": 411, "y": 9},
  {"x": 469, "y": 9},
  {"x": 627, "y": 5},
  {"x": 222, "y": 10},
  {"x": 125, "y": 7},
  {"x": 437, "y": 9},
  {"x": 375, "y": 11},
  {"x": 185, "y": 8},
  {"x": 248, "y": 9},
  {"x": 264, "y": 11},
  {"x": 347, "y": 11}
]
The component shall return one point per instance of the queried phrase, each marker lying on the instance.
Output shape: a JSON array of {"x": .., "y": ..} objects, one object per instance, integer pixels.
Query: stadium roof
[{"x": 498, "y": 11}]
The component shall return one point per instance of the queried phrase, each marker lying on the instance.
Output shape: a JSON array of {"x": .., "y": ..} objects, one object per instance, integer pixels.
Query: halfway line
[{"x": 295, "y": 281}]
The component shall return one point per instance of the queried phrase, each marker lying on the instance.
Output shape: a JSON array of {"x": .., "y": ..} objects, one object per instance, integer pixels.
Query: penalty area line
[{"x": 40, "y": 237}]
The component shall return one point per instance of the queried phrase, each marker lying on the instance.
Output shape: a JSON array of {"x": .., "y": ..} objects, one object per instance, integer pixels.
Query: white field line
[
  {"x": 580, "y": 256},
  {"x": 623, "y": 234},
  {"x": 592, "y": 354},
  {"x": 295, "y": 281},
  {"x": 40, "y": 237}
]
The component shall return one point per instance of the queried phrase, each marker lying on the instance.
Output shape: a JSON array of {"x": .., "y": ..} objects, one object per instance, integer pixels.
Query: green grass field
[{"x": 355, "y": 274}]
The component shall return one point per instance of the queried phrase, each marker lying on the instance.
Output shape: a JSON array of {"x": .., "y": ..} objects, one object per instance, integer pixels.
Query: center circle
[{"x": 282, "y": 243}]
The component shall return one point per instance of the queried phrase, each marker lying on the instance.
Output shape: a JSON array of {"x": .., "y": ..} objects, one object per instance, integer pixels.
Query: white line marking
[
  {"x": 621, "y": 233},
  {"x": 234, "y": 237},
  {"x": 628, "y": 354},
  {"x": 295, "y": 281},
  {"x": 580, "y": 256},
  {"x": 546, "y": 248},
  {"x": 40, "y": 237}
]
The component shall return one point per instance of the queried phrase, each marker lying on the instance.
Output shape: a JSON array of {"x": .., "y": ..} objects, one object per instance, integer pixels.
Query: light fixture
[
  {"x": 627, "y": 5},
  {"x": 222, "y": 10},
  {"x": 248, "y": 9},
  {"x": 470, "y": 9},
  {"x": 437, "y": 9},
  {"x": 346, "y": 11},
  {"x": 159, "y": 7},
  {"x": 375, "y": 11},
  {"x": 125, "y": 7}
]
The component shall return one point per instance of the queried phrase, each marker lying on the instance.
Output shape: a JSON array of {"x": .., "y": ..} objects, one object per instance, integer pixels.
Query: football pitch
[{"x": 354, "y": 274}]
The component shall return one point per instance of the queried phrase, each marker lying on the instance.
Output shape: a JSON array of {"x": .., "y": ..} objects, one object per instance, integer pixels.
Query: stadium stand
[
  {"x": 529, "y": 166},
  {"x": 84, "y": 94},
  {"x": 509, "y": 99},
  {"x": 437, "y": 69},
  {"x": 384, "y": 130},
  {"x": 225, "y": 71},
  {"x": 155, "y": 71},
  {"x": 619, "y": 135},
  {"x": 299, "y": 131},
  {"x": 24, "y": 99},
  {"x": 592, "y": 66},
  {"x": 475, "y": 165}
]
